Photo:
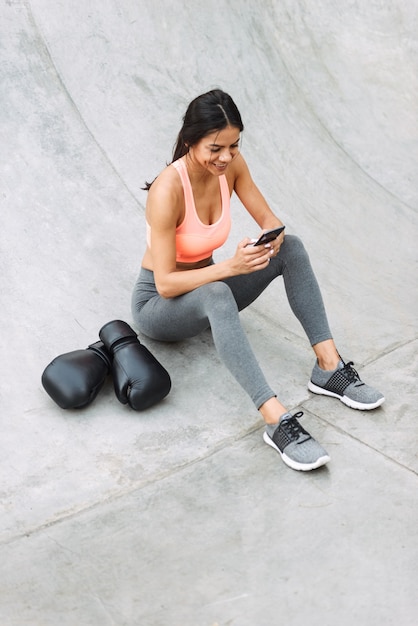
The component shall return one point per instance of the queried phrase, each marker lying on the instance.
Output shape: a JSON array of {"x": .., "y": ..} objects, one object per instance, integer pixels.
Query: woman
[{"x": 181, "y": 291}]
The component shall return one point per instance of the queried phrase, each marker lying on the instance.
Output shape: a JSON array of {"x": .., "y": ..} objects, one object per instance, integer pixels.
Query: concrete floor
[{"x": 182, "y": 516}]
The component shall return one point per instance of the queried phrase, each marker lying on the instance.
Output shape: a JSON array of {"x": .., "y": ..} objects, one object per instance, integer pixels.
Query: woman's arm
[
  {"x": 251, "y": 197},
  {"x": 255, "y": 203}
]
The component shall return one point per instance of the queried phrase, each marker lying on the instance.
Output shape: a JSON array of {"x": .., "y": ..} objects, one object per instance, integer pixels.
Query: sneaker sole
[
  {"x": 361, "y": 406},
  {"x": 302, "y": 467}
]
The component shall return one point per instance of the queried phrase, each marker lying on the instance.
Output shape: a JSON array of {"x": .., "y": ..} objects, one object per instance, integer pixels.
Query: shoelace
[
  {"x": 351, "y": 374},
  {"x": 293, "y": 429}
]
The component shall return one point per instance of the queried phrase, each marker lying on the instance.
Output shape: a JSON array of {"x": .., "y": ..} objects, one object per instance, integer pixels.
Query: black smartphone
[{"x": 269, "y": 235}]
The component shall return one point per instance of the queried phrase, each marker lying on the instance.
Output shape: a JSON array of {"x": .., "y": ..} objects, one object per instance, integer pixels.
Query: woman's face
[{"x": 216, "y": 151}]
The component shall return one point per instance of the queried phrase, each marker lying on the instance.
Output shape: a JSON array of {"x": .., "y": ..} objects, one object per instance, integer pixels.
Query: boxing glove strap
[
  {"x": 100, "y": 349},
  {"x": 117, "y": 333}
]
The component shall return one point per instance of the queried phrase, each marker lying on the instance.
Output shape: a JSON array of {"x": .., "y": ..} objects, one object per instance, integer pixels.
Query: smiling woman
[
  {"x": 181, "y": 291},
  {"x": 217, "y": 149},
  {"x": 205, "y": 115}
]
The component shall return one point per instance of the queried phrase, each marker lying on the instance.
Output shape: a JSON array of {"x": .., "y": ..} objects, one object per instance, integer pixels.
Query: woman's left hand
[{"x": 276, "y": 244}]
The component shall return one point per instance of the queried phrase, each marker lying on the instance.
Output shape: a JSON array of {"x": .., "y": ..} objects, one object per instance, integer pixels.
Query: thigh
[
  {"x": 182, "y": 317},
  {"x": 172, "y": 319}
]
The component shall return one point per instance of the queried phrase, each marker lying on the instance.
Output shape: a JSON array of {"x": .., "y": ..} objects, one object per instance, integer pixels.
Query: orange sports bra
[{"x": 194, "y": 240}]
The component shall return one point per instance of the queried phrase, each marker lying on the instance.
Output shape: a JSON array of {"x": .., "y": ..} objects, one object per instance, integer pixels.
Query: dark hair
[{"x": 209, "y": 112}]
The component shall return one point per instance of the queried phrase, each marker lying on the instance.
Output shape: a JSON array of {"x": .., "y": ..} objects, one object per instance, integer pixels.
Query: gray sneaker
[
  {"x": 344, "y": 383},
  {"x": 297, "y": 448}
]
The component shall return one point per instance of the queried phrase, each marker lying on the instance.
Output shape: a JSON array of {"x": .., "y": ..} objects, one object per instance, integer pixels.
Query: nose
[{"x": 225, "y": 156}]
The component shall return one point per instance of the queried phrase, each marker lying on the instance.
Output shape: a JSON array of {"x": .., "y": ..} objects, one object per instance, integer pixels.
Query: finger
[
  {"x": 264, "y": 259},
  {"x": 247, "y": 242}
]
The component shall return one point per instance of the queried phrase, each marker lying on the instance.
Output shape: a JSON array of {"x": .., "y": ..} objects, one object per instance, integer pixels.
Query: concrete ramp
[{"x": 181, "y": 515}]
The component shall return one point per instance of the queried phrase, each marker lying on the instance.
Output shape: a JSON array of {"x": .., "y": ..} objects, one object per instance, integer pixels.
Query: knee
[
  {"x": 218, "y": 295},
  {"x": 217, "y": 290},
  {"x": 293, "y": 248}
]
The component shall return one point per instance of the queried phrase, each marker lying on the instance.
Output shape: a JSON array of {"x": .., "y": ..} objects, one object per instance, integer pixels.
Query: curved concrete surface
[{"x": 181, "y": 515}]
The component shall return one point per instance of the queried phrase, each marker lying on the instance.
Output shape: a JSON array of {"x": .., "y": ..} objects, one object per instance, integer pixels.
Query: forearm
[
  {"x": 268, "y": 220},
  {"x": 178, "y": 282}
]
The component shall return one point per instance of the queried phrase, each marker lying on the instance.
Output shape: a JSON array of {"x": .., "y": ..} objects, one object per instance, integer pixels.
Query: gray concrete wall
[{"x": 92, "y": 95}]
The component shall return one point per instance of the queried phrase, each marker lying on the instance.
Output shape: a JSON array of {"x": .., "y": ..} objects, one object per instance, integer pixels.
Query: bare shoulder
[
  {"x": 238, "y": 172},
  {"x": 166, "y": 185},
  {"x": 165, "y": 197}
]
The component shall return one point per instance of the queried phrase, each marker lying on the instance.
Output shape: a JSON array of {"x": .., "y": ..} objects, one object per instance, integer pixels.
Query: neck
[{"x": 197, "y": 173}]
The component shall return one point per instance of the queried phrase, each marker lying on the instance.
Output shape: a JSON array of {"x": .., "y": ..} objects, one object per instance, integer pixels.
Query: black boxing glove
[
  {"x": 74, "y": 379},
  {"x": 139, "y": 379}
]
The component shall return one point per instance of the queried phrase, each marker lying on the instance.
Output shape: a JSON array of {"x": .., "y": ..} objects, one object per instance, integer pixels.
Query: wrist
[{"x": 230, "y": 269}]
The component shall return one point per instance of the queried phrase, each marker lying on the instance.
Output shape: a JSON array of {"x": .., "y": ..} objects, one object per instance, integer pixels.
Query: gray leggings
[{"x": 217, "y": 305}]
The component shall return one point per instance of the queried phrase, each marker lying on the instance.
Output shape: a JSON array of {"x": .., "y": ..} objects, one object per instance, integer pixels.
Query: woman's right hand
[{"x": 249, "y": 258}]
